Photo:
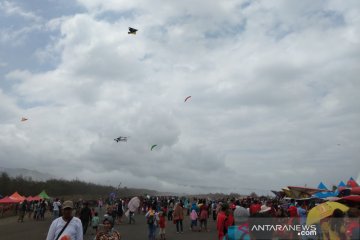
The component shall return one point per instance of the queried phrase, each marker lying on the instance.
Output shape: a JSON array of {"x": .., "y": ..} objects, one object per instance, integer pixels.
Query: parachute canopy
[
  {"x": 187, "y": 98},
  {"x": 153, "y": 146}
]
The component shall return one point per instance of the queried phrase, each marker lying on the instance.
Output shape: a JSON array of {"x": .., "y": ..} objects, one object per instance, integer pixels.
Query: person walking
[
  {"x": 67, "y": 226},
  {"x": 85, "y": 217}
]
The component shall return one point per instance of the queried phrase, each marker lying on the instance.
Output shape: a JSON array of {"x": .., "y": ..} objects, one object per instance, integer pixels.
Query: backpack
[{"x": 150, "y": 220}]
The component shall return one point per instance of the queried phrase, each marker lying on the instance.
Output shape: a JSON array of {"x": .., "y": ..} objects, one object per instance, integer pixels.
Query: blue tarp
[{"x": 324, "y": 194}]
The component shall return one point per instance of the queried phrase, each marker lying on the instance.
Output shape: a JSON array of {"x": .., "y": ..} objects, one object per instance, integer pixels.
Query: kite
[
  {"x": 121, "y": 139},
  {"x": 23, "y": 119},
  {"x": 132, "y": 31},
  {"x": 153, "y": 146},
  {"x": 187, "y": 98}
]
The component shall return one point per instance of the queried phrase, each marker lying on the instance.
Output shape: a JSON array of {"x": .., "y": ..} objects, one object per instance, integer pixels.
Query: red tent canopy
[
  {"x": 29, "y": 198},
  {"x": 36, "y": 198},
  {"x": 8, "y": 200}
]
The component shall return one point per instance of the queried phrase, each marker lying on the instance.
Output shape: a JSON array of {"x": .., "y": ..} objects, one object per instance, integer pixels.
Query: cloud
[
  {"x": 273, "y": 86},
  {"x": 13, "y": 9}
]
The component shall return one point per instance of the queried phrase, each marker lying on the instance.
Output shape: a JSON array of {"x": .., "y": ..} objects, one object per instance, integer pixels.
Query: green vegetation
[{"x": 53, "y": 187}]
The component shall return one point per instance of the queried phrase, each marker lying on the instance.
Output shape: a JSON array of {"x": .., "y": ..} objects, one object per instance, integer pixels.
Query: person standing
[
  {"x": 178, "y": 216},
  {"x": 56, "y": 208},
  {"x": 151, "y": 222},
  {"x": 204, "y": 215},
  {"x": 193, "y": 219},
  {"x": 22, "y": 210},
  {"x": 67, "y": 226},
  {"x": 85, "y": 217},
  {"x": 170, "y": 211},
  {"x": 221, "y": 224},
  {"x": 162, "y": 225}
]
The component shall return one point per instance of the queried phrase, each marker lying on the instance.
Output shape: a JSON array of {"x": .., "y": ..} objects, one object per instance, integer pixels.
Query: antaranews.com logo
[{"x": 301, "y": 230}]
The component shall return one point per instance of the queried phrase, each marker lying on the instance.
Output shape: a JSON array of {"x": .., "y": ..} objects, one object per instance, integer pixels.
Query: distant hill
[{"x": 26, "y": 173}]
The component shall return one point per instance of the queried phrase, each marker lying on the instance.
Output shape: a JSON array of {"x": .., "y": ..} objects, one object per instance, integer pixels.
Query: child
[
  {"x": 162, "y": 223},
  {"x": 95, "y": 222},
  {"x": 193, "y": 217}
]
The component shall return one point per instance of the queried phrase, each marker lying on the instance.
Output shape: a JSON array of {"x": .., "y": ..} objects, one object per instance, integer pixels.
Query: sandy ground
[{"x": 37, "y": 230}]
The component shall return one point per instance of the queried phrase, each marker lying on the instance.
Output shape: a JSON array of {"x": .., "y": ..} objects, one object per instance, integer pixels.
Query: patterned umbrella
[{"x": 134, "y": 204}]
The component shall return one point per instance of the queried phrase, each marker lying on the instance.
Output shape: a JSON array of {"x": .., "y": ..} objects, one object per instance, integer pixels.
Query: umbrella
[
  {"x": 324, "y": 210},
  {"x": 134, "y": 204}
]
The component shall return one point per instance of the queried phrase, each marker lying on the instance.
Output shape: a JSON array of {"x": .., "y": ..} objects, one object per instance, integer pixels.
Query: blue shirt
[{"x": 302, "y": 215}]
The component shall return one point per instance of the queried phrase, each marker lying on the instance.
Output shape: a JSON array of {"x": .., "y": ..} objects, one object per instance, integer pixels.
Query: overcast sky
[{"x": 274, "y": 85}]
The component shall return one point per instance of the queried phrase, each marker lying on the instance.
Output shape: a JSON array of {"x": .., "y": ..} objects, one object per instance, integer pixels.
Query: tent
[
  {"x": 43, "y": 195},
  {"x": 8, "y": 200},
  {"x": 36, "y": 198},
  {"x": 29, "y": 198},
  {"x": 17, "y": 197}
]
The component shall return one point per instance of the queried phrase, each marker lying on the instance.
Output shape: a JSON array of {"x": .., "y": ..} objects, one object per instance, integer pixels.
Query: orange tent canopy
[{"x": 17, "y": 197}]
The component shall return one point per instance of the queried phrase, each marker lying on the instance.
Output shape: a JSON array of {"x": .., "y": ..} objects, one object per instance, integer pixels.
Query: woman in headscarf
[{"x": 108, "y": 233}]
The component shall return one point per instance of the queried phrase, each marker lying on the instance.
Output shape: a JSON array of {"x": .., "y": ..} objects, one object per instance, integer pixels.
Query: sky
[{"x": 274, "y": 89}]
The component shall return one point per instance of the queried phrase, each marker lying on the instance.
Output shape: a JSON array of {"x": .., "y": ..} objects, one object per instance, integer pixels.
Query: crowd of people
[
  {"x": 32, "y": 209},
  {"x": 234, "y": 219}
]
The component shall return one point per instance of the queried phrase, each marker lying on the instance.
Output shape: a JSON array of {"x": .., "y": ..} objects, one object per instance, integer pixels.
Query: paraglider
[
  {"x": 187, "y": 98},
  {"x": 120, "y": 139},
  {"x": 23, "y": 119},
  {"x": 153, "y": 146},
  {"x": 132, "y": 31}
]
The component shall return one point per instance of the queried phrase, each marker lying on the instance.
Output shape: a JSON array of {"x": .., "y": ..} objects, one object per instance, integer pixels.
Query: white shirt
[
  {"x": 74, "y": 230},
  {"x": 56, "y": 206}
]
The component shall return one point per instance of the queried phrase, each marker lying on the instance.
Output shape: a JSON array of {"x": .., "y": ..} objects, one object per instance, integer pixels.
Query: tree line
[{"x": 26, "y": 186}]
